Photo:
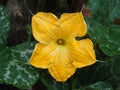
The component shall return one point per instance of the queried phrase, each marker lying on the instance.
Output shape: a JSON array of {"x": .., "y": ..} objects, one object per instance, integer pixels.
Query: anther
[{"x": 61, "y": 41}]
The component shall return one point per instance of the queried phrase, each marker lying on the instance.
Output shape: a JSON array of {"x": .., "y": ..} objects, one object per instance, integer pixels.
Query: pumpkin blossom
[{"x": 58, "y": 50}]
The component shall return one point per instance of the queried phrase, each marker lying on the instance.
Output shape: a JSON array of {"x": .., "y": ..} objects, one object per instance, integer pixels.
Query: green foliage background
[{"x": 103, "y": 75}]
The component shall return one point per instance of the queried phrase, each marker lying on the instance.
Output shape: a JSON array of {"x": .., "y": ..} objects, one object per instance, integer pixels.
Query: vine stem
[
  {"x": 27, "y": 8},
  {"x": 101, "y": 61}
]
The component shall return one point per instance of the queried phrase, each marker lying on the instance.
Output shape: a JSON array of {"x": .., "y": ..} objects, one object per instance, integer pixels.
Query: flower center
[{"x": 60, "y": 41}]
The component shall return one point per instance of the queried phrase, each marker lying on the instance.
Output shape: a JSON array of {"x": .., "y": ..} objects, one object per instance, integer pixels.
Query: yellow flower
[{"x": 58, "y": 50}]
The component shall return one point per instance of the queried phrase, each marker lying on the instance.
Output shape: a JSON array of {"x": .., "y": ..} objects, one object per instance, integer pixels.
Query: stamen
[{"x": 61, "y": 41}]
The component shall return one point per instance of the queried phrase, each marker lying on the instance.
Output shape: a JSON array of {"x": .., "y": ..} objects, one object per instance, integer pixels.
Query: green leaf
[
  {"x": 4, "y": 25},
  {"x": 100, "y": 27},
  {"x": 99, "y": 10},
  {"x": 100, "y": 86},
  {"x": 15, "y": 69},
  {"x": 110, "y": 44},
  {"x": 116, "y": 66},
  {"x": 106, "y": 36},
  {"x": 97, "y": 86},
  {"x": 104, "y": 11},
  {"x": 95, "y": 29},
  {"x": 114, "y": 9}
]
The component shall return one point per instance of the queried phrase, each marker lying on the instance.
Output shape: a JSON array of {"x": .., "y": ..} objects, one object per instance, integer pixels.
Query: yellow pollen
[{"x": 60, "y": 41}]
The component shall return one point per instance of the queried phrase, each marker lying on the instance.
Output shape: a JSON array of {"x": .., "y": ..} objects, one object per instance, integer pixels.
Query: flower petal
[
  {"x": 73, "y": 23},
  {"x": 83, "y": 53},
  {"x": 61, "y": 72},
  {"x": 61, "y": 67},
  {"x": 43, "y": 26},
  {"x": 40, "y": 57}
]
